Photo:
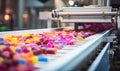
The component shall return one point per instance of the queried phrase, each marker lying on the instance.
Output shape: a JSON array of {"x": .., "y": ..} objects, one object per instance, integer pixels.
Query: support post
[{"x": 20, "y": 13}]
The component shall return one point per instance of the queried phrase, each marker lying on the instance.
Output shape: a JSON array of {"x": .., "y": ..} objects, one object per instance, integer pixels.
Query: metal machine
[
  {"x": 96, "y": 56},
  {"x": 83, "y": 15}
]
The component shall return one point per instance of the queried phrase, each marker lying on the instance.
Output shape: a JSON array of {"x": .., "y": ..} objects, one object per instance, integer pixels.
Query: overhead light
[
  {"x": 71, "y": 2},
  {"x": 6, "y": 17},
  {"x": 25, "y": 15}
]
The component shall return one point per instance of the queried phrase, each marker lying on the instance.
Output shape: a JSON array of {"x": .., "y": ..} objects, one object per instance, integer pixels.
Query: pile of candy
[{"x": 23, "y": 51}]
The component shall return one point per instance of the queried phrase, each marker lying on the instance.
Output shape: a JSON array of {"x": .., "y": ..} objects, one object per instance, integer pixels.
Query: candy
[
  {"x": 28, "y": 41},
  {"x": 27, "y": 35},
  {"x": 25, "y": 50},
  {"x": 13, "y": 48},
  {"x": 18, "y": 50},
  {"x": 57, "y": 46},
  {"x": 80, "y": 38},
  {"x": 1, "y": 60},
  {"x": 63, "y": 33},
  {"x": 2, "y": 47},
  {"x": 16, "y": 57},
  {"x": 14, "y": 40},
  {"x": 34, "y": 59},
  {"x": 36, "y": 39},
  {"x": 23, "y": 56},
  {"x": 51, "y": 51},
  {"x": 22, "y": 61},
  {"x": 30, "y": 54},
  {"x": 43, "y": 50},
  {"x": 42, "y": 58},
  {"x": 8, "y": 37},
  {"x": 7, "y": 49},
  {"x": 1, "y": 41},
  {"x": 37, "y": 52}
]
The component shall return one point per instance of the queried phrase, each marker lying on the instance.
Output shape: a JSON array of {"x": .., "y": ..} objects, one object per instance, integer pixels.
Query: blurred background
[{"x": 36, "y": 14}]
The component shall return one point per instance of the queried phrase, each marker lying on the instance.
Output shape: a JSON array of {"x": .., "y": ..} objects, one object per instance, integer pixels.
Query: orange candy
[
  {"x": 30, "y": 54},
  {"x": 29, "y": 61},
  {"x": 24, "y": 56},
  {"x": 57, "y": 46}
]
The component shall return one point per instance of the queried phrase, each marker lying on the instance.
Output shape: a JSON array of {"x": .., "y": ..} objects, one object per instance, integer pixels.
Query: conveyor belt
[
  {"x": 73, "y": 58},
  {"x": 69, "y": 57}
]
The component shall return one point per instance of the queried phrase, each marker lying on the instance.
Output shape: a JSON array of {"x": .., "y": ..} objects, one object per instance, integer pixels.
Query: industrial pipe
[{"x": 86, "y": 13}]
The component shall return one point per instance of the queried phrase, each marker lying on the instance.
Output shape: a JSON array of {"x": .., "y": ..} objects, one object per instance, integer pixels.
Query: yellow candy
[
  {"x": 80, "y": 38},
  {"x": 1, "y": 59},
  {"x": 2, "y": 47},
  {"x": 28, "y": 41},
  {"x": 20, "y": 44},
  {"x": 64, "y": 33},
  {"x": 14, "y": 40},
  {"x": 55, "y": 32},
  {"x": 13, "y": 48},
  {"x": 8, "y": 37},
  {"x": 36, "y": 39},
  {"x": 27, "y": 35},
  {"x": 79, "y": 32},
  {"x": 34, "y": 59}
]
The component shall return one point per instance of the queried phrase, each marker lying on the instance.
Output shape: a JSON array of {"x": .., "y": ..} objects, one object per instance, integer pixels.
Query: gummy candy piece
[
  {"x": 30, "y": 54},
  {"x": 28, "y": 41},
  {"x": 39, "y": 43},
  {"x": 7, "y": 49},
  {"x": 41, "y": 39},
  {"x": 22, "y": 61},
  {"x": 1, "y": 60},
  {"x": 37, "y": 52},
  {"x": 57, "y": 46},
  {"x": 34, "y": 59},
  {"x": 6, "y": 53},
  {"x": 36, "y": 39},
  {"x": 43, "y": 51},
  {"x": 14, "y": 40},
  {"x": 24, "y": 56},
  {"x": 55, "y": 32},
  {"x": 18, "y": 50},
  {"x": 63, "y": 33},
  {"x": 8, "y": 37},
  {"x": 25, "y": 50},
  {"x": 16, "y": 57},
  {"x": 27, "y": 35},
  {"x": 13, "y": 48},
  {"x": 80, "y": 38},
  {"x": 42, "y": 58},
  {"x": 2, "y": 47},
  {"x": 51, "y": 50},
  {"x": 1, "y": 41},
  {"x": 45, "y": 42}
]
